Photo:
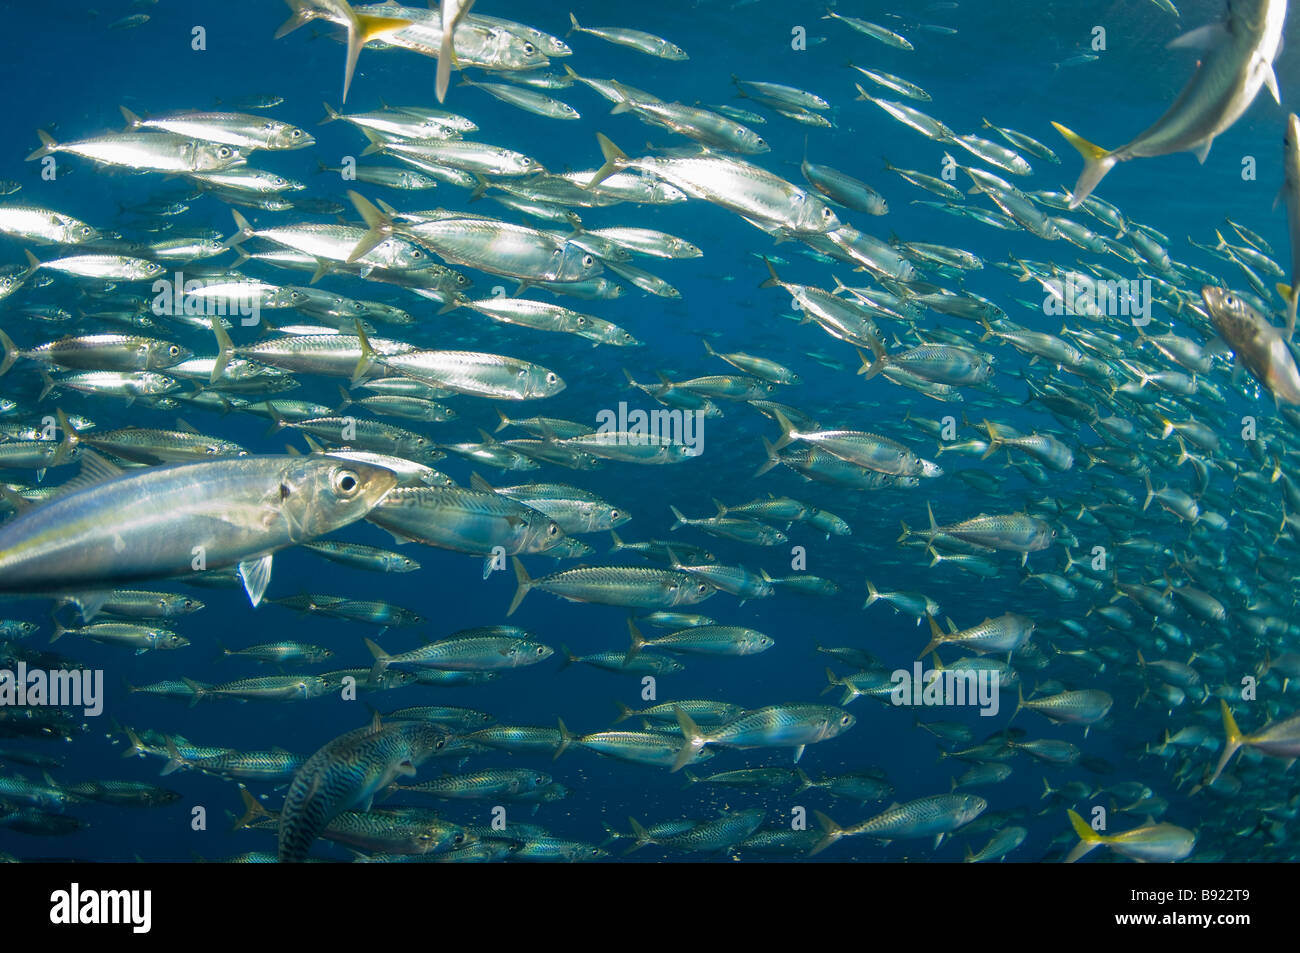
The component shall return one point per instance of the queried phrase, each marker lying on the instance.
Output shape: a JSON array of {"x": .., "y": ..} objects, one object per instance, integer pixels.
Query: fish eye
[
  {"x": 224, "y": 152},
  {"x": 530, "y": 49},
  {"x": 85, "y": 229},
  {"x": 552, "y": 377},
  {"x": 441, "y": 743},
  {"x": 552, "y": 530},
  {"x": 525, "y": 161},
  {"x": 343, "y": 482},
  {"x": 582, "y": 322},
  {"x": 845, "y": 721},
  {"x": 173, "y": 350},
  {"x": 702, "y": 588},
  {"x": 588, "y": 261},
  {"x": 613, "y": 514},
  {"x": 296, "y": 134},
  {"x": 416, "y": 253},
  {"x": 541, "y": 650}
]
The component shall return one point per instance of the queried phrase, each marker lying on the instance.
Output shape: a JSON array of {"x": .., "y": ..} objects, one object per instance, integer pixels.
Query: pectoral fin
[
  {"x": 1202, "y": 38},
  {"x": 256, "y": 576}
]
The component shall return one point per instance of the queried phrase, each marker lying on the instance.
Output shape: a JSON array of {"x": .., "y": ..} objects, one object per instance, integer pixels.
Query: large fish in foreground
[
  {"x": 1236, "y": 60},
  {"x": 111, "y": 526},
  {"x": 1291, "y": 191},
  {"x": 1255, "y": 343},
  {"x": 347, "y": 772}
]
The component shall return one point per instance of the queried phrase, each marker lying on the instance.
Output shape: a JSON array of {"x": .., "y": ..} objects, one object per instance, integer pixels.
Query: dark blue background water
[{"x": 65, "y": 72}]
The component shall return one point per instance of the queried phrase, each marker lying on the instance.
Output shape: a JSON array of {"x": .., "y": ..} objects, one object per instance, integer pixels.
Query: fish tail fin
[
  {"x": 681, "y": 520},
  {"x": 1292, "y": 298},
  {"x": 995, "y": 442},
  {"x": 197, "y": 690},
  {"x": 638, "y": 642},
  {"x": 362, "y": 28},
  {"x": 135, "y": 748},
  {"x": 225, "y": 349},
  {"x": 1232, "y": 740},
  {"x": 772, "y": 458},
  {"x": 378, "y": 226},
  {"x": 1088, "y": 838},
  {"x": 10, "y": 352},
  {"x": 301, "y": 17},
  {"x": 623, "y": 712},
  {"x": 253, "y": 809},
  {"x": 879, "y": 357},
  {"x": 566, "y": 737},
  {"x": 787, "y": 431},
  {"x": 367, "y": 356},
  {"x": 447, "y": 56},
  {"x": 831, "y": 831},
  {"x": 615, "y": 159},
  {"x": 1096, "y": 163},
  {"x": 48, "y": 146},
  {"x": 642, "y": 835},
  {"x": 381, "y": 661},
  {"x": 936, "y": 637},
  {"x": 524, "y": 584},
  {"x": 574, "y": 21},
  {"x": 174, "y": 760},
  {"x": 692, "y": 740},
  {"x": 243, "y": 231},
  {"x": 832, "y": 680},
  {"x": 872, "y": 594},
  {"x": 71, "y": 437}
]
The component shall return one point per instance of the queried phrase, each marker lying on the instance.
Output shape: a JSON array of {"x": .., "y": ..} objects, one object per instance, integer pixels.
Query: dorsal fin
[
  {"x": 94, "y": 469},
  {"x": 477, "y": 482}
]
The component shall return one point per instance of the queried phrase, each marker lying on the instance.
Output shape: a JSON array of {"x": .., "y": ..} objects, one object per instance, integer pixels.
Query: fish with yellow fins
[
  {"x": 1236, "y": 61},
  {"x": 1161, "y": 843},
  {"x": 1277, "y": 739},
  {"x": 362, "y": 28}
]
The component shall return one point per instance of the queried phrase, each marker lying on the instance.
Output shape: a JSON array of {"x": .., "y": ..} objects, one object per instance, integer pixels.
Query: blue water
[{"x": 69, "y": 74}]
